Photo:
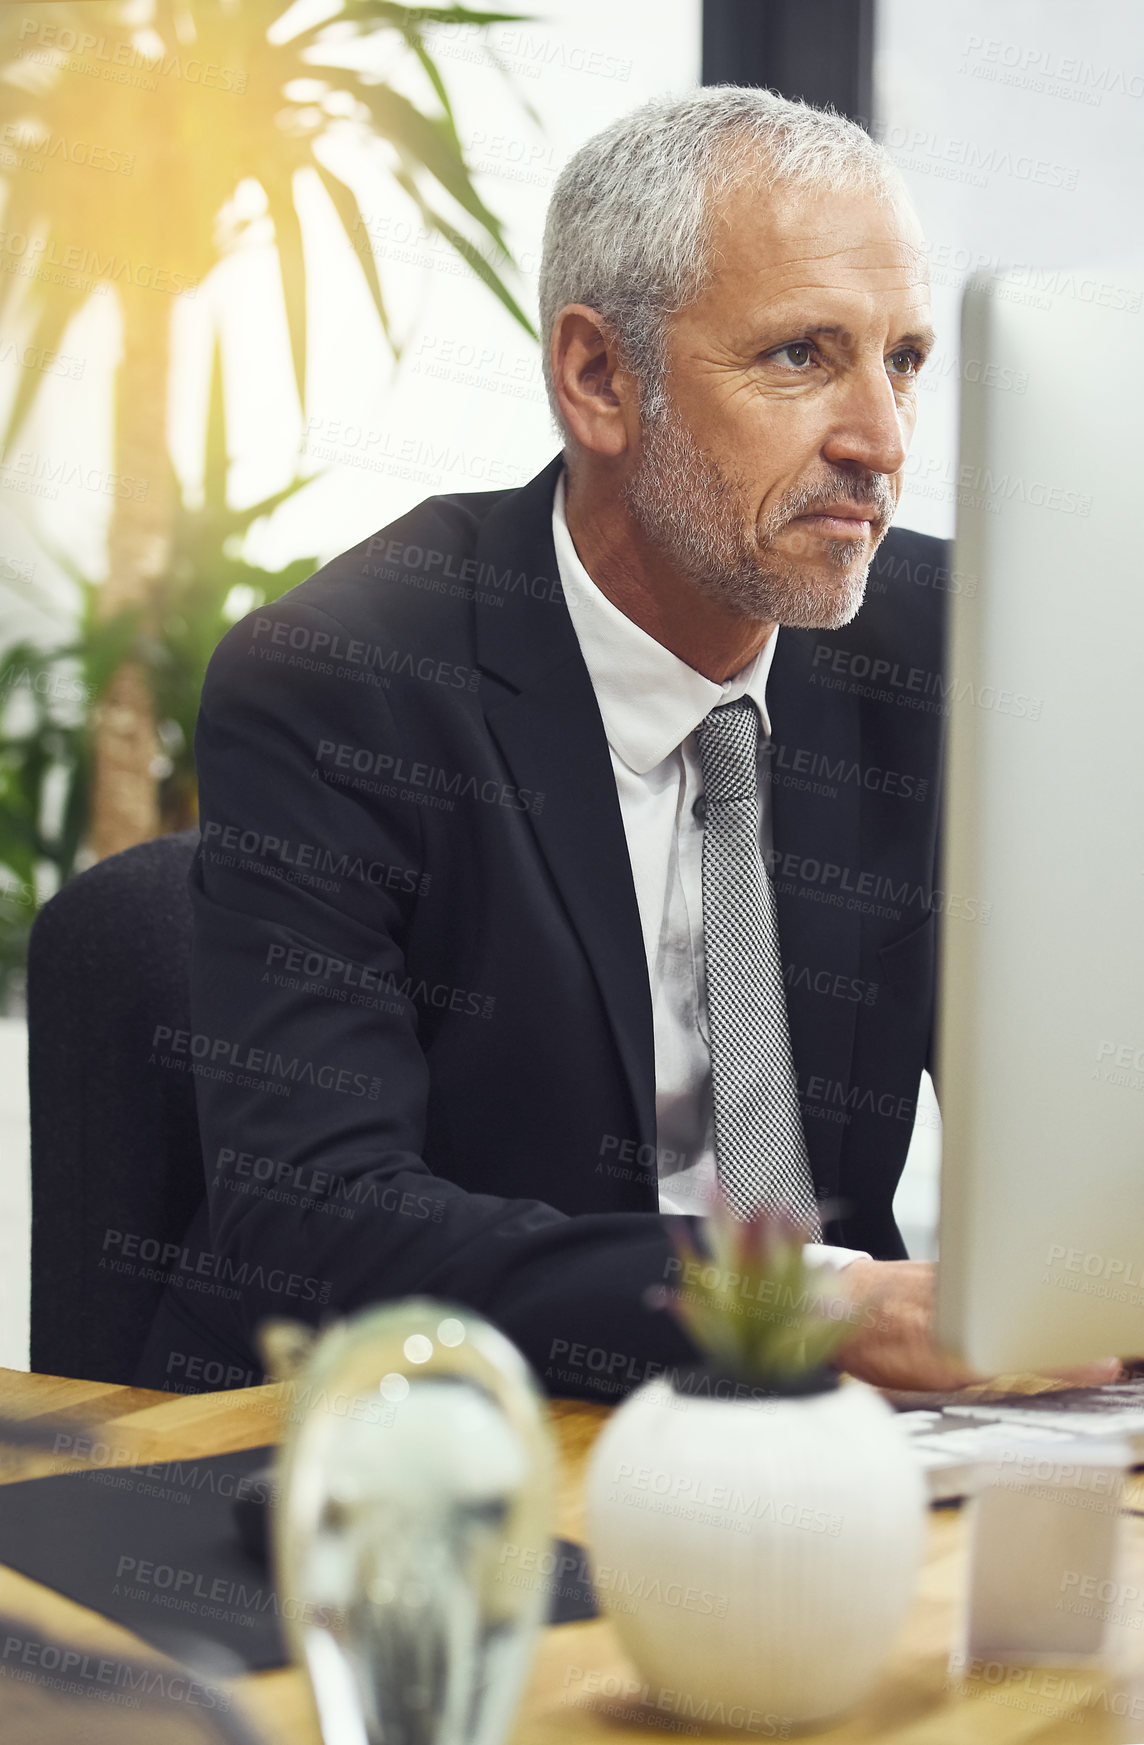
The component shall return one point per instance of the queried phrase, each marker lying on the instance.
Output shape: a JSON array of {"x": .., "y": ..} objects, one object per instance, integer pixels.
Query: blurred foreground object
[
  {"x": 755, "y": 1526},
  {"x": 54, "y": 1692},
  {"x": 1049, "y": 1571},
  {"x": 417, "y": 1481},
  {"x": 753, "y": 1306},
  {"x": 285, "y": 1348}
]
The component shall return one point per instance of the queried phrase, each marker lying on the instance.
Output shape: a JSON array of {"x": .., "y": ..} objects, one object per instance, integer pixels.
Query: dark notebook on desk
[{"x": 160, "y": 1550}]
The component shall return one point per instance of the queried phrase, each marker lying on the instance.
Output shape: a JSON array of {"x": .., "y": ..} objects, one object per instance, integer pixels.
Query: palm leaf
[
  {"x": 429, "y": 143},
  {"x": 467, "y": 250},
  {"x": 49, "y": 317},
  {"x": 216, "y": 465},
  {"x": 413, "y": 41},
  {"x": 346, "y": 205},
  {"x": 292, "y": 264},
  {"x": 104, "y": 217},
  {"x": 368, "y": 15},
  {"x": 406, "y": 16}
]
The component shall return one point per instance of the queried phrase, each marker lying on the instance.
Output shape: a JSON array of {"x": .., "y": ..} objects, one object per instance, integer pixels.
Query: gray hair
[{"x": 630, "y": 225}]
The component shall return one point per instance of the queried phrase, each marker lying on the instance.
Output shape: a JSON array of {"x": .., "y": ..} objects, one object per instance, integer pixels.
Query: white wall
[
  {"x": 15, "y": 1197},
  {"x": 1019, "y": 128}
]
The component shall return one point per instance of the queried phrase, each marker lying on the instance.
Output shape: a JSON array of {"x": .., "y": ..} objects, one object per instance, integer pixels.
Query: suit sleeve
[{"x": 312, "y": 1086}]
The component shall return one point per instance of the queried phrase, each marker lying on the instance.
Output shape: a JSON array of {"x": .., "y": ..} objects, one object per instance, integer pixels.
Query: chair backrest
[{"x": 116, "y": 1166}]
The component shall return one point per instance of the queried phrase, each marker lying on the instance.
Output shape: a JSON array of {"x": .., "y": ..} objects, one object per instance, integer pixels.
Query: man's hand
[{"x": 894, "y": 1345}]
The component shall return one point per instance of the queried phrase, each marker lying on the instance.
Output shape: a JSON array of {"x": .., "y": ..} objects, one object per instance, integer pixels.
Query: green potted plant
[
  {"x": 50, "y": 698},
  {"x": 210, "y": 96},
  {"x": 755, "y": 1521}
]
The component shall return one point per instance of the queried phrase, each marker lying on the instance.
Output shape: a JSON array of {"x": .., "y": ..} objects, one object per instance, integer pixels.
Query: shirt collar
[{"x": 649, "y": 699}]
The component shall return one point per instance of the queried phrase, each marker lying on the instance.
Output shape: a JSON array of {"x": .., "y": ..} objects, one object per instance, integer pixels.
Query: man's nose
[{"x": 871, "y": 427}]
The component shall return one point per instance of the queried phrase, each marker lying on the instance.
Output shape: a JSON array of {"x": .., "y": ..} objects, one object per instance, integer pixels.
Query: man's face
[{"x": 776, "y": 470}]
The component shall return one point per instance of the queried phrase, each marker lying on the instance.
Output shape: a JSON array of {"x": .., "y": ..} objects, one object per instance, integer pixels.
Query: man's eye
[
  {"x": 904, "y": 363},
  {"x": 799, "y": 352}
]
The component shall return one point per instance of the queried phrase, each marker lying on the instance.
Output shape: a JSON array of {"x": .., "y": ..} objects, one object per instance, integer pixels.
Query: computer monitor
[{"x": 1041, "y": 1018}]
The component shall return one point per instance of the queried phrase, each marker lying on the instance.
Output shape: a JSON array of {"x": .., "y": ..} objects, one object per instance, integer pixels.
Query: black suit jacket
[{"x": 422, "y": 1026}]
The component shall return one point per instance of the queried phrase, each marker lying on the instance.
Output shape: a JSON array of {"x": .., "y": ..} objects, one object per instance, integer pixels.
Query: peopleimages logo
[
  {"x": 789, "y": 762},
  {"x": 913, "y": 687},
  {"x": 34, "y": 255},
  {"x": 370, "y": 655},
  {"x": 430, "y": 783},
  {"x": 46, "y": 145},
  {"x": 107, "y": 1679},
  {"x": 298, "y": 858},
  {"x": 216, "y": 1056},
  {"x": 148, "y": 1257}
]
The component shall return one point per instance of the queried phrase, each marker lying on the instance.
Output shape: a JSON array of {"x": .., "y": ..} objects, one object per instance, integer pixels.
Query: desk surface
[{"x": 573, "y": 1695}]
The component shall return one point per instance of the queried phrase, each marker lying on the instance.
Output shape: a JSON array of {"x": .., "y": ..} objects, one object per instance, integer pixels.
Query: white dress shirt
[{"x": 651, "y": 702}]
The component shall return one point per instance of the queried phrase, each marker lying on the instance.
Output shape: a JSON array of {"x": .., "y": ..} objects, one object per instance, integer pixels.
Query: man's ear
[{"x": 596, "y": 394}]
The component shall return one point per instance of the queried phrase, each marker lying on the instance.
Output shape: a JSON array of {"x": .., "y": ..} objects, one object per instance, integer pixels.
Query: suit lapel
[{"x": 543, "y": 714}]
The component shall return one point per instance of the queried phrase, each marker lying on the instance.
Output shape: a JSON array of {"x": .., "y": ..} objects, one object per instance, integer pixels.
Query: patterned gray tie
[{"x": 760, "y": 1146}]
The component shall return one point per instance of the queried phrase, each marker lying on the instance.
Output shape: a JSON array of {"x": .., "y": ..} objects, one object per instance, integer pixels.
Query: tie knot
[{"x": 728, "y": 742}]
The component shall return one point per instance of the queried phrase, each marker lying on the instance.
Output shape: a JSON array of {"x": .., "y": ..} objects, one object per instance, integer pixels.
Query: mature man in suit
[{"x": 490, "y": 983}]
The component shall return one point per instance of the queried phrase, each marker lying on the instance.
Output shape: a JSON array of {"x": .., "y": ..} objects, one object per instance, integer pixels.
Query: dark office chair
[{"x": 116, "y": 1163}]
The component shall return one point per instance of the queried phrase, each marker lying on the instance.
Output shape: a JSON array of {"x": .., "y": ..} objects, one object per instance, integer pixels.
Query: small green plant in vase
[
  {"x": 761, "y": 1485},
  {"x": 756, "y": 1308}
]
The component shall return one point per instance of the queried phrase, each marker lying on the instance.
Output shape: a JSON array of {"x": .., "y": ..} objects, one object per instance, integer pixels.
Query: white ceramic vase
[{"x": 756, "y": 1556}]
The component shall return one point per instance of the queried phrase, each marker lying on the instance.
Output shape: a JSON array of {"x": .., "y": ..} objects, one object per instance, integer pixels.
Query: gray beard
[{"x": 688, "y": 508}]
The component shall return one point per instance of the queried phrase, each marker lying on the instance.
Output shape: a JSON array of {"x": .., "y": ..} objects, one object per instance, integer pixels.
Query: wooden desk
[{"x": 576, "y": 1695}]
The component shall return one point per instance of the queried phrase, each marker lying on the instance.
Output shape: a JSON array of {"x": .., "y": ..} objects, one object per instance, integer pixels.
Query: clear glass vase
[{"x": 417, "y": 1473}]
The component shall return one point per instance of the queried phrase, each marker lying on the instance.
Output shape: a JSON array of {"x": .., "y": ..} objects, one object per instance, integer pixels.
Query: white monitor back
[{"x": 1041, "y": 1022}]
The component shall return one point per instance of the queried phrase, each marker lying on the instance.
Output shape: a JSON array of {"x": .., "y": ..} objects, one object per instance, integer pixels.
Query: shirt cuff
[{"x": 823, "y": 1254}]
